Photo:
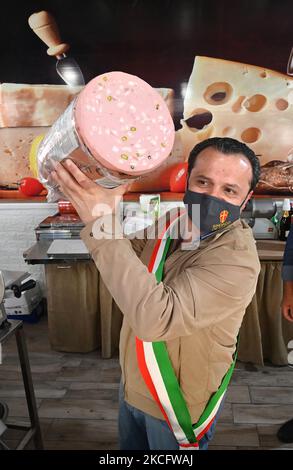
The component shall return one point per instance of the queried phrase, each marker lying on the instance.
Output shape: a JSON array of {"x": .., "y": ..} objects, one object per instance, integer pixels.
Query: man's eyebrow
[
  {"x": 230, "y": 185},
  {"x": 203, "y": 176},
  {"x": 236, "y": 186}
]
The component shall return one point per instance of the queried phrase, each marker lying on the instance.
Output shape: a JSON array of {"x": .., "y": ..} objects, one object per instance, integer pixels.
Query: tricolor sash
[{"x": 159, "y": 376}]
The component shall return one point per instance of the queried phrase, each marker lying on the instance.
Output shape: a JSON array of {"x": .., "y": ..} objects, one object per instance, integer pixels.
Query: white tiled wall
[{"x": 17, "y": 224}]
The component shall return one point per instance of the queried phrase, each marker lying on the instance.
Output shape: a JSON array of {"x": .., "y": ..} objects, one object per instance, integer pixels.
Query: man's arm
[
  {"x": 138, "y": 241},
  {"x": 287, "y": 275},
  {"x": 198, "y": 297}
]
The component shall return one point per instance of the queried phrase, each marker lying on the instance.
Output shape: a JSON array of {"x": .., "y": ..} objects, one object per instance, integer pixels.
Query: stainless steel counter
[
  {"x": 270, "y": 250},
  {"x": 37, "y": 254}
]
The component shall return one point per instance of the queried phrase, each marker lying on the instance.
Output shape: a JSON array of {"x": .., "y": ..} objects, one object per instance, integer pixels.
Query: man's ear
[{"x": 246, "y": 200}]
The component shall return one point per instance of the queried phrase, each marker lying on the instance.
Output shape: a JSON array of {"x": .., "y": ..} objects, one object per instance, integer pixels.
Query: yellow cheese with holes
[{"x": 245, "y": 102}]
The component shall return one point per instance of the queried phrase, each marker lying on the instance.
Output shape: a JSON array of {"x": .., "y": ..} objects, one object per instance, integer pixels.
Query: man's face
[{"x": 226, "y": 177}]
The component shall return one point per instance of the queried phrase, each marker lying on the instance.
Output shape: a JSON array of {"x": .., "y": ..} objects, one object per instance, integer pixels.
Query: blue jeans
[{"x": 140, "y": 431}]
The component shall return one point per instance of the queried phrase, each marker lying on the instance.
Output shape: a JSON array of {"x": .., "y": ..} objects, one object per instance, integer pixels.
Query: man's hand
[
  {"x": 89, "y": 199},
  {"x": 287, "y": 302}
]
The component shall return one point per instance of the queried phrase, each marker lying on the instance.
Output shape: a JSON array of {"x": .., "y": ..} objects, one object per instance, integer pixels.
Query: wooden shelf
[
  {"x": 168, "y": 196},
  {"x": 273, "y": 196},
  {"x": 128, "y": 197},
  {"x": 15, "y": 194}
]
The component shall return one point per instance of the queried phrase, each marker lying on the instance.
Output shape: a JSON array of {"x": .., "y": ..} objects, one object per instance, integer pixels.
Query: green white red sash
[{"x": 158, "y": 374}]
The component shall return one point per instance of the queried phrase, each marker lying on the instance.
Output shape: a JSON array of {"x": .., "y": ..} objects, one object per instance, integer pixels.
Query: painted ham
[
  {"x": 26, "y": 112},
  {"x": 33, "y": 105}
]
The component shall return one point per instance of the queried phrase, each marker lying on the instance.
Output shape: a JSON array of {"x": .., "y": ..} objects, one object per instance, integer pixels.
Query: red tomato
[
  {"x": 30, "y": 186},
  {"x": 178, "y": 178}
]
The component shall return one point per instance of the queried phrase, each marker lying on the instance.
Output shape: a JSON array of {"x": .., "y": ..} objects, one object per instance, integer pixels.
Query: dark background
[{"x": 156, "y": 40}]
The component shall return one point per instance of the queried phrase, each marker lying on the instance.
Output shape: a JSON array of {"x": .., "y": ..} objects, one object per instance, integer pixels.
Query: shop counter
[{"x": 264, "y": 334}]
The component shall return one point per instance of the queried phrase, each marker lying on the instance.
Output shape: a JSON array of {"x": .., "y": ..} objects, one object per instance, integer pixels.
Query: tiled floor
[{"x": 77, "y": 399}]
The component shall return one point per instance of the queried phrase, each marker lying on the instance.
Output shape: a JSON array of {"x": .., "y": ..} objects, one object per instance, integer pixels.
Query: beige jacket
[{"x": 197, "y": 309}]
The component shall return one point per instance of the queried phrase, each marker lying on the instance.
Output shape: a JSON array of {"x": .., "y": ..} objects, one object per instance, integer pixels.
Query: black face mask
[{"x": 215, "y": 213}]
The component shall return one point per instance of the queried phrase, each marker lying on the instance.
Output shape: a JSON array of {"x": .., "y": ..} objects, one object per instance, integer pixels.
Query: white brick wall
[{"x": 17, "y": 223}]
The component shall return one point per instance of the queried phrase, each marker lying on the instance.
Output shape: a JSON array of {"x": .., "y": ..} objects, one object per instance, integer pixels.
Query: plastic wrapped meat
[{"x": 117, "y": 129}]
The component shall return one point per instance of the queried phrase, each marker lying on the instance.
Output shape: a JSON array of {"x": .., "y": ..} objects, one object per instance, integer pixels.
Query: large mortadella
[{"x": 117, "y": 129}]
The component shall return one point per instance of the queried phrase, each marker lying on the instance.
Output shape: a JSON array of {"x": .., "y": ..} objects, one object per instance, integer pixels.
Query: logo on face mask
[{"x": 223, "y": 216}]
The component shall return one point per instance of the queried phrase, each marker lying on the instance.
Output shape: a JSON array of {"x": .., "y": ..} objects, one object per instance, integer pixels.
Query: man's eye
[
  {"x": 202, "y": 182},
  {"x": 230, "y": 191}
]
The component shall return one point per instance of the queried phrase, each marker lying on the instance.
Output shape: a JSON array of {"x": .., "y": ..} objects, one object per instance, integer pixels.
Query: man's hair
[{"x": 227, "y": 146}]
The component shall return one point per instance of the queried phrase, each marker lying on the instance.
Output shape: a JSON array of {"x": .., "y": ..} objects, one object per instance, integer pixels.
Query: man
[
  {"x": 285, "y": 433},
  {"x": 196, "y": 311}
]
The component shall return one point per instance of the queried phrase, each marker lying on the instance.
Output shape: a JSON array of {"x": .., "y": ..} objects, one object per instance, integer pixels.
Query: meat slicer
[
  {"x": 12, "y": 281},
  {"x": 258, "y": 214}
]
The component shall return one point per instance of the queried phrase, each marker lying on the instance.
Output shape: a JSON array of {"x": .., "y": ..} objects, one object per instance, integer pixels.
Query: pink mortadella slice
[{"x": 125, "y": 123}]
